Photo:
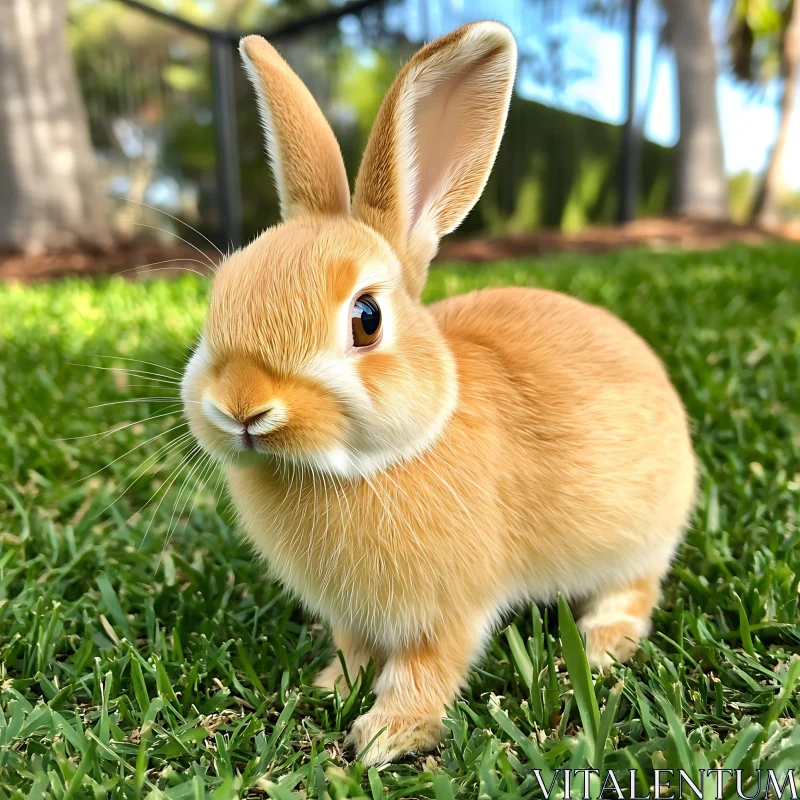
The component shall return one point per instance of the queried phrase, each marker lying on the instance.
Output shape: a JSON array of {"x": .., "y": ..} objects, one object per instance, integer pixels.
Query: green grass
[{"x": 135, "y": 663}]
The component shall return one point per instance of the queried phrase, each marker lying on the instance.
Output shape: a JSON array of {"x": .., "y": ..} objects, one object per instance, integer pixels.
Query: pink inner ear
[{"x": 454, "y": 126}]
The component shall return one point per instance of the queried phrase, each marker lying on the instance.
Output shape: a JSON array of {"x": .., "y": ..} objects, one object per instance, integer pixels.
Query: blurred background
[{"x": 675, "y": 117}]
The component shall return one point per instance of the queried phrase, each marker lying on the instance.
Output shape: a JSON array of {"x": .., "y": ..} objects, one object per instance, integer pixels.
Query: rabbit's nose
[
  {"x": 248, "y": 422},
  {"x": 254, "y": 418},
  {"x": 260, "y": 422}
]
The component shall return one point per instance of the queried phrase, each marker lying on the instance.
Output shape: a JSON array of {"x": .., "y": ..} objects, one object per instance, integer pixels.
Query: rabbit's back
[
  {"x": 551, "y": 333},
  {"x": 588, "y": 433},
  {"x": 559, "y": 365}
]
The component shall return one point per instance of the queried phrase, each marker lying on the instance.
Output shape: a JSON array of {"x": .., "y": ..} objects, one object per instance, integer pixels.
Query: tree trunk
[
  {"x": 766, "y": 209},
  {"x": 50, "y": 197},
  {"x": 700, "y": 187}
]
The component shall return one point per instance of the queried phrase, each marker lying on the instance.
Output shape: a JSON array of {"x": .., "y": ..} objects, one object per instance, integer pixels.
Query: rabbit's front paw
[
  {"x": 393, "y": 735},
  {"x": 332, "y": 676}
]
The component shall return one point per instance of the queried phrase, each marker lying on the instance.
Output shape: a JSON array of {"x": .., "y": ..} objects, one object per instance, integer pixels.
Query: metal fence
[{"x": 175, "y": 124}]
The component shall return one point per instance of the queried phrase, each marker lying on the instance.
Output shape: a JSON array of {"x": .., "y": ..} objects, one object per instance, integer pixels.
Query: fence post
[
  {"x": 225, "y": 135},
  {"x": 629, "y": 166}
]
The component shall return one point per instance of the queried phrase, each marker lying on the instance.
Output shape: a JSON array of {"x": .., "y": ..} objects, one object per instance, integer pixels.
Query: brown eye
[{"x": 366, "y": 320}]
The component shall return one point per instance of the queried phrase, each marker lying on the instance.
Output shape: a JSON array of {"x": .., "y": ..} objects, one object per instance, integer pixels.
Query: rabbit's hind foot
[{"x": 615, "y": 620}]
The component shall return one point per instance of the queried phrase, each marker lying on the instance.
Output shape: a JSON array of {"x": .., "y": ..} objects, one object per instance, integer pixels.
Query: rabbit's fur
[{"x": 500, "y": 446}]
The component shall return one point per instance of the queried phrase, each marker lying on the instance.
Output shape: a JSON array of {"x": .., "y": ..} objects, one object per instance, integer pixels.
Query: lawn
[{"x": 143, "y": 653}]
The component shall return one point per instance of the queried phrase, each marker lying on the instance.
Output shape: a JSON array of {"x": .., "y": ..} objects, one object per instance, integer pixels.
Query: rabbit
[{"x": 412, "y": 473}]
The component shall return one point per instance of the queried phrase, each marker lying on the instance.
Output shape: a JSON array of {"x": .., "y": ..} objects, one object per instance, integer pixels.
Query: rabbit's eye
[{"x": 366, "y": 319}]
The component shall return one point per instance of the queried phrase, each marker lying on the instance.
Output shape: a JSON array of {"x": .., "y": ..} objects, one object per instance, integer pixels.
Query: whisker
[
  {"x": 103, "y": 434},
  {"x": 173, "y": 399},
  {"x": 198, "y": 468},
  {"x": 205, "y": 471},
  {"x": 185, "y": 241},
  {"x": 154, "y": 264},
  {"x": 137, "y": 373},
  {"x": 146, "y": 386},
  {"x": 180, "y": 221},
  {"x": 141, "y": 444},
  {"x": 136, "y": 361},
  {"x": 174, "y": 474},
  {"x": 220, "y": 485},
  {"x": 134, "y": 372},
  {"x": 163, "y": 451}
]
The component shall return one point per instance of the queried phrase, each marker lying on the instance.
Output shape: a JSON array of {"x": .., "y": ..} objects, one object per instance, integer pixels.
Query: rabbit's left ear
[{"x": 434, "y": 142}]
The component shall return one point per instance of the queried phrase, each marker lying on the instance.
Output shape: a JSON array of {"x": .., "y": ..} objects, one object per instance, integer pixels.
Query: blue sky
[{"x": 749, "y": 122}]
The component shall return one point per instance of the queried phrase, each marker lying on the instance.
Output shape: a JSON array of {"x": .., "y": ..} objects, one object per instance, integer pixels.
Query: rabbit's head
[{"x": 317, "y": 350}]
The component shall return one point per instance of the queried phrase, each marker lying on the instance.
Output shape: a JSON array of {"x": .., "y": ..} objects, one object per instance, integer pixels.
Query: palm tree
[
  {"x": 765, "y": 43},
  {"x": 49, "y": 194},
  {"x": 700, "y": 186}
]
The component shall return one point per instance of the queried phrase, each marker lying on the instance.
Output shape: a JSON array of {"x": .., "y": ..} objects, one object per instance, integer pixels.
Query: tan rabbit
[{"x": 412, "y": 472}]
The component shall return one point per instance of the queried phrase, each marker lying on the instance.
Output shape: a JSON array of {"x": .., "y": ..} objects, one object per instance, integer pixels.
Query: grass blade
[{"x": 574, "y": 654}]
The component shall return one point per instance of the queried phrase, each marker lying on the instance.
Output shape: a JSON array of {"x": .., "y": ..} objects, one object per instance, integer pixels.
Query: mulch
[
  {"x": 655, "y": 234},
  {"x": 131, "y": 259},
  {"x": 142, "y": 259}
]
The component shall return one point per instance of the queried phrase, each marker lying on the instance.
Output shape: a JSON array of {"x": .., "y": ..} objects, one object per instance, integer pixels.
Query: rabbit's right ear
[
  {"x": 434, "y": 142},
  {"x": 304, "y": 154}
]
